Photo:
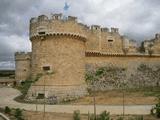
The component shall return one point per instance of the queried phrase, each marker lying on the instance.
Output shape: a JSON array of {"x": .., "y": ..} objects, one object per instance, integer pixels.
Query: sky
[{"x": 138, "y": 19}]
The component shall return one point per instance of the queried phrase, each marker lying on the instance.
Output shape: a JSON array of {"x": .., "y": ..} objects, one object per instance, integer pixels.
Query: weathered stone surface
[
  {"x": 55, "y": 94},
  {"x": 23, "y": 66},
  {"x": 138, "y": 72},
  {"x": 62, "y": 47}
]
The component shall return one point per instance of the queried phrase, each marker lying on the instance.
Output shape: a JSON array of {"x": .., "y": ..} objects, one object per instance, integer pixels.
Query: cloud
[
  {"x": 139, "y": 19},
  {"x": 7, "y": 65}
]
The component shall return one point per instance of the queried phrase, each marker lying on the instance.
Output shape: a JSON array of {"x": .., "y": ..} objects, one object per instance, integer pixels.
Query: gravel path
[{"x": 8, "y": 94}]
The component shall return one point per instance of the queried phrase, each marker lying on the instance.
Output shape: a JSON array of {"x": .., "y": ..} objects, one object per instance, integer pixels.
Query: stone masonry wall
[
  {"x": 23, "y": 66},
  {"x": 65, "y": 57},
  {"x": 135, "y": 71}
]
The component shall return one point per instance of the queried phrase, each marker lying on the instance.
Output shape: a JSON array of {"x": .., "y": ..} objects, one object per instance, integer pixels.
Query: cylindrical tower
[
  {"x": 22, "y": 62},
  {"x": 58, "y": 54}
]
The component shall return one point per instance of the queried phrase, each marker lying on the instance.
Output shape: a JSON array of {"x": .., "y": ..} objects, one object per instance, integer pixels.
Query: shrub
[
  {"x": 18, "y": 114},
  {"x": 91, "y": 117},
  {"x": 89, "y": 77},
  {"x": 7, "y": 110},
  {"x": 38, "y": 76},
  {"x": 156, "y": 110},
  {"x": 25, "y": 86},
  {"x": 104, "y": 116},
  {"x": 120, "y": 118},
  {"x": 139, "y": 118},
  {"x": 76, "y": 115}
]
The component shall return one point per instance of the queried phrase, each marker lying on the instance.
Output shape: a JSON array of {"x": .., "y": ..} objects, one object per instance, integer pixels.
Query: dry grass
[
  {"x": 30, "y": 115},
  {"x": 116, "y": 97}
]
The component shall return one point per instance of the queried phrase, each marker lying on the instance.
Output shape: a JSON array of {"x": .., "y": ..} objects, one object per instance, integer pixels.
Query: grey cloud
[
  {"x": 7, "y": 65},
  {"x": 138, "y": 19},
  {"x": 13, "y": 15}
]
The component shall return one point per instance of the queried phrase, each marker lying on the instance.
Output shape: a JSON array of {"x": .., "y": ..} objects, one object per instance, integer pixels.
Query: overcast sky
[{"x": 138, "y": 19}]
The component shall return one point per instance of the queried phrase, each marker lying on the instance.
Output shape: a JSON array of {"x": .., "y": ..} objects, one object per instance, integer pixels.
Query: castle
[{"x": 62, "y": 47}]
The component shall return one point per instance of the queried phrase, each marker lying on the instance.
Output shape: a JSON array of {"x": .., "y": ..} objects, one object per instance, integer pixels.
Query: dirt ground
[
  {"x": 29, "y": 115},
  {"x": 49, "y": 116},
  {"x": 116, "y": 98}
]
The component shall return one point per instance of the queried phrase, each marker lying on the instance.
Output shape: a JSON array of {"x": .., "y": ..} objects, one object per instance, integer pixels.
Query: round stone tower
[{"x": 58, "y": 54}]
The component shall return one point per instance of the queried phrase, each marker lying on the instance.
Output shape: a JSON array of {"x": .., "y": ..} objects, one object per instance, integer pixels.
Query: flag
[{"x": 66, "y": 6}]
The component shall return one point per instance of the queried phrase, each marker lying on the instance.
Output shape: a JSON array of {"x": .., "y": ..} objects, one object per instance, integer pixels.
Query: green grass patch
[{"x": 24, "y": 87}]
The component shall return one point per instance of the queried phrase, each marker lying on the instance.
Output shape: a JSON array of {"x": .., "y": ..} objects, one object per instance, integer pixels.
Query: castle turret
[
  {"x": 22, "y": 71},
  {"x": 58, "y": 47}
]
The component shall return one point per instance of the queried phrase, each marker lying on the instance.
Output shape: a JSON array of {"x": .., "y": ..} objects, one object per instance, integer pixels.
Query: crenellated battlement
[
  {"x": 57, "y": 23},
  {"x": 105, "y": 29},
  {"x": 114, "y": 30},
  {"x": 98, "y": 38},
  {"x": 22, "y": 56}
]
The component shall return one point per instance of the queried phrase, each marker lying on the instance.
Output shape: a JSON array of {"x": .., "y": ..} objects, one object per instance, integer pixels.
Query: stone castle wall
[
  {"x": 23, "y": 66},
  {"x": 62, "y": 47},
  {"x": 129, "y": 62},
  {"x": 98, "y": 39},
  {"x": 58, "y": 54},
  {"x": 131, "y": 65},
  {"x": 103, "y": 40},
  {"x": 65, "y": 57},
  {"x": 55, "y": 25}
]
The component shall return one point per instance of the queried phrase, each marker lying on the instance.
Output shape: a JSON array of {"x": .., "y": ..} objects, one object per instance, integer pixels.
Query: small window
[
  {"x": 110, "y": 40},
  {"x": 40, "y": 96},
  {"x": 41, "y": 33},
  {"x": 46, "y": 68}
]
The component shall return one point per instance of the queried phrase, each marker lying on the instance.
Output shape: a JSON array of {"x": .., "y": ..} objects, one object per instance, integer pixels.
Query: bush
[
  {"x": 76, "y": 115},
  {"x": 120, "y": 118},
  {"x": 104, "y": 116},
  {"x": 18, "y": 114},
  {"x": 25, "y": 86},
  {"x": 156, "y": 110},
  {"x": 139, "y": 118},
  {"x": 7, "y": 110}
]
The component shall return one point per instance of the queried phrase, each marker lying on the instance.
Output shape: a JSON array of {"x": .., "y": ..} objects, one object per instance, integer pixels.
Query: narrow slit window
[
  {"x": 40, "y": 96},
  {"x": 46, "y": 68},
  {"x": 110, "y": 40}
]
